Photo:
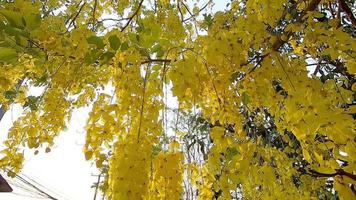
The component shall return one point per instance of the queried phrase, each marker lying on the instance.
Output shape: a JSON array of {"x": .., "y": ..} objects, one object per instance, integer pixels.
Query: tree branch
[
  {"x": 348, "y": 11},
  {"x": 180, "y": 12},
  {"x": 276, "y": 45},
  {"x": 258, "y": 62},
  {"x": 339, "y": 172},
  {"x": 193, "y": 15},
  {"x": 94, "y": 10},
  {"x": 76, "y": 16},
  {"x": 312, "y": 6},
  {"x": 317, "y": 68},
  {"x": 132, "y": 16},
  {"x": 70, "y": 17},
  {"x": 157, "y": 60}
]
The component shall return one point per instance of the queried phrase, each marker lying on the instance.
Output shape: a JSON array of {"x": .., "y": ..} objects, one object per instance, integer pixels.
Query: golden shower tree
[{"x": 265, "y": 91}]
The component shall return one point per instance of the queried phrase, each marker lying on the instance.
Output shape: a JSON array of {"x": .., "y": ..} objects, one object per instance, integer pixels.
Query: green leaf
[
  {"x": 14, "y": 18},
  {"x": 92, "y": 56},
  {"x": 124, "y": 46},
  {"x": 141, "y": 27},
  {"x": 319, "y": 15},
  {"x": 32, "y": 21},
  {"x": 245, "y": 98},
  {"x": 158, "y": 49},
  {"x": 98, "y": 41},
  {"x": 115, "y": 42},
  {"x": 8, "y": 42},
  {"x": 31, "y": 102},
  {"x": 10, "y": 95},
  {"x": 41, "y": 81},
  {"x": 106, "y": 57},
  {"x": 21, "y": 41},
  {"x": 13, "y": 31},
  {"x": 208, "y": 19},
  {"x": 144, "y": 52},
  {"x": 134, "y": 38},
  {"x": 231, "y": 152},
  {"x": 156, "y": 149},
  {"x": 7, "y": 54}
]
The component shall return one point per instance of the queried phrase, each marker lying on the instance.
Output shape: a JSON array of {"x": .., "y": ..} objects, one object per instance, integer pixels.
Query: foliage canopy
[{"x": 265, "y": 91}]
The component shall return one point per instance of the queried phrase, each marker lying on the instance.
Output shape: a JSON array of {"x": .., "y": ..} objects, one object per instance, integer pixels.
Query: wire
[
  {"x": 25, "y": 183},
  {"x": 58, "y": 193}
]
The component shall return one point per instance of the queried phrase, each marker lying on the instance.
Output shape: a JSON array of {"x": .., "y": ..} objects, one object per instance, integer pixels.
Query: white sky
[{"x": 64, "y": 170}]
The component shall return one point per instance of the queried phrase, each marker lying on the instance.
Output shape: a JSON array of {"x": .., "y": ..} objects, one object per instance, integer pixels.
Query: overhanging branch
[
  {"x": 348, "y": 11},
  {"x": 338, "y": 172}
]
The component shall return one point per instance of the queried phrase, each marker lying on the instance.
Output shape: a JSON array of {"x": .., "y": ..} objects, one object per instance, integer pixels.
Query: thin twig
[
  {"x": 113, "y": 19},
  {"x": 276, "y": 45},
  {"x": 94, "y": 9},
  {"x": 157, "y": 60},
  {"x": 338, "y": 91},
  {"x": 339, "y": 172},
  {"x": 132, "y": 16},
  {"x": 97, "y": 186},
  {"x": 317, "y": 68},
  {"x": 76, "y": 16},
  {"x": 70, "y": 17},
  {"x": 213, "y": 83},
  {"x": 290, "y": 81},
  {"x": 180, "y": 12},
  {"x": 193, "y": 15},
  {"x": 258, "y": 63}
]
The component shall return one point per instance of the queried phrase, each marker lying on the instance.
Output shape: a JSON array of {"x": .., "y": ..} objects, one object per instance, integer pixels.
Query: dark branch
[
  {"x": 132, "y": 16},
  {"x": 94, "y": 10},
  {"x": 76, "y": 16},
  {"x": 348, "y": 11},
  {"x": 193, "y": 15},
  {"x": 339, "y": 172},
  {"x": 312, "y": 6},
  {"x": 157, "y": 60}
]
